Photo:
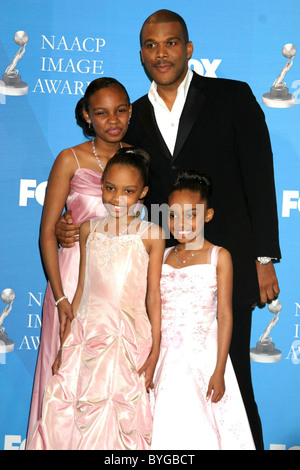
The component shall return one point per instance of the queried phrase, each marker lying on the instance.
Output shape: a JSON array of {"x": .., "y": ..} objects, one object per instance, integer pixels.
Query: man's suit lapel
[
  {"x": 152, "y": 128},
  {"x": 192, "y": 107}
]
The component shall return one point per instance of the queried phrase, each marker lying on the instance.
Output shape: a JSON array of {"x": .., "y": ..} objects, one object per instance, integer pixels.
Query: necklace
[
  {"x": 96, "y": 155},
  {"x": 182, "y": 262}
]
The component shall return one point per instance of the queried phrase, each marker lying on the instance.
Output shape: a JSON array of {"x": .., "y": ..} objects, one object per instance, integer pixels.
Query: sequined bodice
[
  {"x": 189, "y": 303},
  {"x": 116, "y": 267}
]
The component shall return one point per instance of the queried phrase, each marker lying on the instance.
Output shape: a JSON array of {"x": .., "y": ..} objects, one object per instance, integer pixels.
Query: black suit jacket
[{"x": 222, "y": 132}]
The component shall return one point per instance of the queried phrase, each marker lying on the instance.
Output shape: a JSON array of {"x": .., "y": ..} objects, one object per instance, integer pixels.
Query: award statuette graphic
[
  {"x": 265, "y": 350},
  {"x": 6, "y": 345},
  {"x": 11, "y": 83},
  {"x": 279, "y": 96}
]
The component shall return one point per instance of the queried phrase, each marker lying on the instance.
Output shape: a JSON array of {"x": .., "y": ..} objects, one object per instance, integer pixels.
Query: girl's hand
[
  {"x": 148, "y": 370},
  {"x": 56, "y": 363},
  {"x": 217, "y": 385},
  {"x": 65, "y": 313}
]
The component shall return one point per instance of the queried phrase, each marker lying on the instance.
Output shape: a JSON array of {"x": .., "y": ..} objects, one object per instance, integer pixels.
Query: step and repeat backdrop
[{"x": 49, "y": 52}]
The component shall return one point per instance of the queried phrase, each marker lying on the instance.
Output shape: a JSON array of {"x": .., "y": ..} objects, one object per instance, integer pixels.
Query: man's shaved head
[{"x": 165, "y": 16}]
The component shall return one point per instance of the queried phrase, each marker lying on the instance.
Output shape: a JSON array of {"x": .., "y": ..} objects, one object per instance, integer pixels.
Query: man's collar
[{"x": 184, "y": 85}]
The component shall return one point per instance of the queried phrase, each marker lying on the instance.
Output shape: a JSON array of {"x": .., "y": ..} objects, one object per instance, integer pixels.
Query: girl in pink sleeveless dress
[
  {"x": 74, "y": 182},
  {"x": 197, "y": 402},
  {"x": 98, "y": 398}
]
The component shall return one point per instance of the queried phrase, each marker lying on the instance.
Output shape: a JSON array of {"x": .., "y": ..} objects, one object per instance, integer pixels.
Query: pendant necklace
[
  {"x": 96, "y": 155},
  {"x": 182, "y": 262}
]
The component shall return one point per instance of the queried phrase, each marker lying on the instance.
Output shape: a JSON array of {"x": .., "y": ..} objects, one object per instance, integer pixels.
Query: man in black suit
[{"x": 216, "y": 126}]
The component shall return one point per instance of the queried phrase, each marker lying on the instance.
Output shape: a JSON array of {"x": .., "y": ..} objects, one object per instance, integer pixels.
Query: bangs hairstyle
[
  {"x": 131, "y": 156},
  {"x": 83, "y": 103},
  {"x": 196, "y": 182}
]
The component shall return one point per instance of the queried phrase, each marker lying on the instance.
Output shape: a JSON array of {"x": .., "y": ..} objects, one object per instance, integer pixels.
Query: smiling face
[
  {"x": 187, "y": 214},
  {"x": 165, "y": 54},
  {"x": 122, "y": 187},
  {"x": 109, "y": 113}
]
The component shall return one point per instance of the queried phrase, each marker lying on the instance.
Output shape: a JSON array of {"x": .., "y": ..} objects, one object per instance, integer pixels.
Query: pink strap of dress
[
  {"x": 213, "y": 254},
  {"x": 75, "y": 156}
]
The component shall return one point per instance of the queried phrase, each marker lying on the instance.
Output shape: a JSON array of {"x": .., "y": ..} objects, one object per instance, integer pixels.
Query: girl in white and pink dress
[{"x": 197, "y": 401}]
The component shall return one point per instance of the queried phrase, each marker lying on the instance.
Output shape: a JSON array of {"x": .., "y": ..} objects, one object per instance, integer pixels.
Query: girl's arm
[
  {"x": 153, "y": 302},
  {"x": 56, "y": 196},
  {"x": 83, "y": 234},
  {"x": 224, "y": 283}
]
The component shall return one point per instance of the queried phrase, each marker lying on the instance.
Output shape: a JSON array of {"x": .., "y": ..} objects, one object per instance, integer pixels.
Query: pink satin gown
[
  {"x": 183, "y": 418},
  {"x": 97, "y": 400},
  {"x": 85, "y": 202}
]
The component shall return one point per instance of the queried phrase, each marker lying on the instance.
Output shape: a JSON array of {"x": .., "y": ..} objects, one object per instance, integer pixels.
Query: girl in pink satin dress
[
  {"x": 74, "y": 182},
  {"x": 98, "y": 398},
  {"x": 197, "y": 402}
]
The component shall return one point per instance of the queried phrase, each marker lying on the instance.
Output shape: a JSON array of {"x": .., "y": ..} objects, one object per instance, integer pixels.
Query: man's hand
[
  {"x": 268, "y": 283},
  {"x": 66, "y": 232}
]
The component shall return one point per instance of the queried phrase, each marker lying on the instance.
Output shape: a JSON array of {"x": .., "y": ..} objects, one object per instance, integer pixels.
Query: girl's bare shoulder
[{"x": 224, "y": 258}]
